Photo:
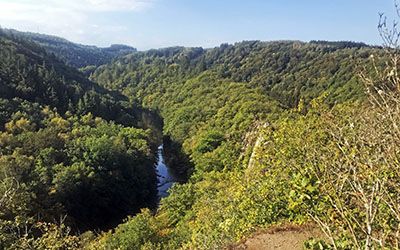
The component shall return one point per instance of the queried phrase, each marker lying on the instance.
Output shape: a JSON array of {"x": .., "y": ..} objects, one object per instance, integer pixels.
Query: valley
[{"x": 194, "y": 148}]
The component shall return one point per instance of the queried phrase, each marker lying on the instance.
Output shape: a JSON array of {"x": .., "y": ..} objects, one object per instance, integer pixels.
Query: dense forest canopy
[
  {"x": 73, "y": 54},
  {"x": 286, "y": 71},
  {"x": 29, "y": 72},
  {"x": 216, "y": 103},
  {"x": 67, "y": 147},
  {"x": 261, "y": 131}
]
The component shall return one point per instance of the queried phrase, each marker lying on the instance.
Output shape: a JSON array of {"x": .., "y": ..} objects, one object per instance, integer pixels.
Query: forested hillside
[
  {"x": 287, "y": 71},
  {"x": 73, "y": 54},
  {"x": 223, "y": 93},
  {"x": 68, "y": 160},
  {"x": 265, "y": 133},
  {"x": 29, "y": 72},
  {"x": 259, "y": 123}
]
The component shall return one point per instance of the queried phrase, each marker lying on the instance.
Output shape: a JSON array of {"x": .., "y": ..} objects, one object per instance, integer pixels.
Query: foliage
[
  {"x": 91, "y": 170},
  {"x": 75, "y": 55},
  {"x": 29, "y": 73},
  {"x": 263, "y": 132},
  {"x": 286, "y": 71},
  {"x": 252, "y": 118}
]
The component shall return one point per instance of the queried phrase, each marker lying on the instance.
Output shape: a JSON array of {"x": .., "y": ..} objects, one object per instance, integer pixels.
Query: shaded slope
[
  {"x": 29, "y": 73},
  {"x": 76, "y": 55}
]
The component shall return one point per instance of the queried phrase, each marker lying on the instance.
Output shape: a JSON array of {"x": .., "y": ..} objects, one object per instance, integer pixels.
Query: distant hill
[
  {"x": 285, "y": 70},
  {"x": 340, "y": 44},
  {"x": 74, "y": 54}
]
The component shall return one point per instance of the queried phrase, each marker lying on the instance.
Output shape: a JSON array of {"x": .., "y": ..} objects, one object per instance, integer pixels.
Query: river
[{"x": 164, "y": 176}]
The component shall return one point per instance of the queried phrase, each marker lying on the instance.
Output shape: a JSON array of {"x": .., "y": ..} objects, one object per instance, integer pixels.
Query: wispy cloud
[
  {"x": 73, "y": 19},
  {"x": 117, "y": 5}
]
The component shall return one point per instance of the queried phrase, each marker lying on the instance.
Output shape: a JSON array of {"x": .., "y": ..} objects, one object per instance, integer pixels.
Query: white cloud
[
  {"x": 117, "y": 5},
  {"x": 72, "y": 19}
]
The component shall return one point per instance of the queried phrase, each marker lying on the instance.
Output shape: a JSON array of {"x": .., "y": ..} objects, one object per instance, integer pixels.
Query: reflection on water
[{"x": 164, "y": 176}]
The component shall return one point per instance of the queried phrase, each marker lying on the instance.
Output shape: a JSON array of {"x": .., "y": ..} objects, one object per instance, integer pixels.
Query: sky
[{"x": 147, "y": 24}]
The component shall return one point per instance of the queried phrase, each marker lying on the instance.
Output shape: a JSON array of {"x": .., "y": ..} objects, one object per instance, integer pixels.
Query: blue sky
[{"x": 149, "y": 24}]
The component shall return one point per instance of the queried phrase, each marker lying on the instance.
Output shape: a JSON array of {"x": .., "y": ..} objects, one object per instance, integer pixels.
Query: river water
[{"x": 164, "y": 176}]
